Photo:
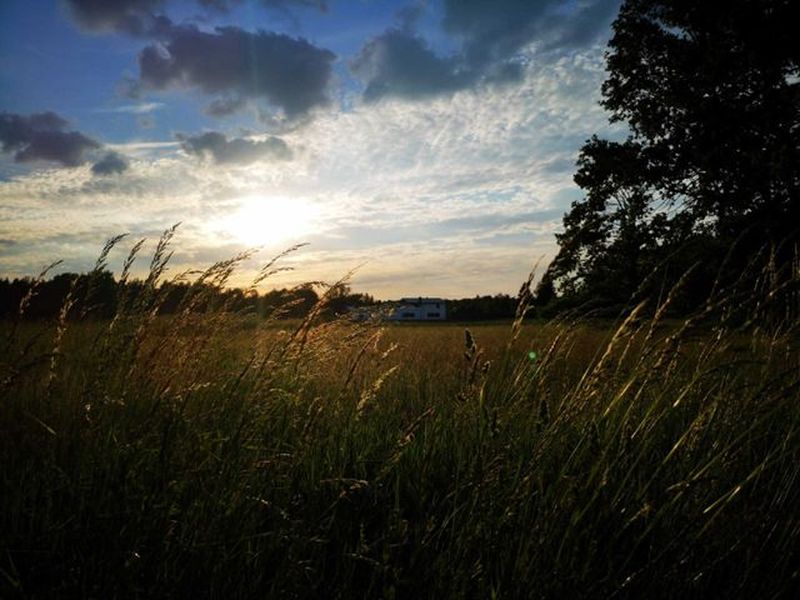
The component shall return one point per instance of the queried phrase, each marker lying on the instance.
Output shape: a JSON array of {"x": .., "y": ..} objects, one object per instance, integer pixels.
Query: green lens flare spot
[{"x": 532, "y": 355}]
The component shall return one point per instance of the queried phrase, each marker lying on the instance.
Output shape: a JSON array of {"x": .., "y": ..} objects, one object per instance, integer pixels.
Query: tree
[
  {"x": 711, "y": 98},
  {"x": 607, "y": 236},
  {"x": 714, "y": 94}
]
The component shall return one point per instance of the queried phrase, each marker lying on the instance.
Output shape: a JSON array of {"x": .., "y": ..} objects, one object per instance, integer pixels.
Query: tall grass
[{"x": 216, "y": 455}]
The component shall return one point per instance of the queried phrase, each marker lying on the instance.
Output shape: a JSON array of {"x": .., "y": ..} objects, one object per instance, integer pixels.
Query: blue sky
[{"x": 429, "y": 144}]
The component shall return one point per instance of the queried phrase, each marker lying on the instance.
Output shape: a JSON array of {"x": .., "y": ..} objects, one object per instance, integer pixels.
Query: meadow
[{"x": 220, "y": 455}]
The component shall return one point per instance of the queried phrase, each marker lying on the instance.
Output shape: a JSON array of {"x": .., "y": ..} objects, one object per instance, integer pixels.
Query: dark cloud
[
  {"x": 240, "y": 151},
  {"x": 399, "y": 63},
  {"x": 134, "y": 17},
  {"x": 290, "y": 73},
  {"x": 112, "y": 163},
  {"x": 109, "y": 15},
  {"x": 408, "y": 16},
  {"x": 142, "y": 18},
  {"x": 491, "y": 35},
  {"x": 220, "y": 5},
  {"x": 321, "y": 5},
  {"x": 223, "y": 107},
  {"x": 226, "y": 5},
  {"x": 495, "y": 31},
  {"x": 43, "y": 136}
]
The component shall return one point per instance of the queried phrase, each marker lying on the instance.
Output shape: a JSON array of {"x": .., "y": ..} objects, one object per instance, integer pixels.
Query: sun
[{"x": 267, "y": 220}]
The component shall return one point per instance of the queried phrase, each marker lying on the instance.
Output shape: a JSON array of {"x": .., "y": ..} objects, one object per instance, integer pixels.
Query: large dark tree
[{"x": 711, "y": 96}]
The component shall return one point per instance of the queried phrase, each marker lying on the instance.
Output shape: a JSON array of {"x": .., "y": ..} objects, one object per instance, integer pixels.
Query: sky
[{"x": 426, "y": 147}]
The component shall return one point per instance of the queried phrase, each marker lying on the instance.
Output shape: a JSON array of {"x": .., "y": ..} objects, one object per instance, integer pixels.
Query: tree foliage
[
  {"x": 98, "y": 295},
  {"x": 709, "y": 174}
]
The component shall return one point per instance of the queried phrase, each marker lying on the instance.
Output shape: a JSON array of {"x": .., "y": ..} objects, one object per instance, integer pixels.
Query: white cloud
[
  {"x": 134, "y": 109},
  {"x": 451, "y": 196}
]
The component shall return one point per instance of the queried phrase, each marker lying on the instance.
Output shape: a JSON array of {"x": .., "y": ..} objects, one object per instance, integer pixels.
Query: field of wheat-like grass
[{"x": 218, "y": 455}]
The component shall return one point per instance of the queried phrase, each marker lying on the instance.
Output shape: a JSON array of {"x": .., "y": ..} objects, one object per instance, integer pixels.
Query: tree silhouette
[{"x": 711, "y": 98}]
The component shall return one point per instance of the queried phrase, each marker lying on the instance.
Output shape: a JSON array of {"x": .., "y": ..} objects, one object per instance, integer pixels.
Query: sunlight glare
[{"x": 263, "y": 220}]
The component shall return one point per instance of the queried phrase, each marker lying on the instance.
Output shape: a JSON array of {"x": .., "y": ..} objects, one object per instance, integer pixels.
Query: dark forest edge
[{"x": 98, "y": 295}]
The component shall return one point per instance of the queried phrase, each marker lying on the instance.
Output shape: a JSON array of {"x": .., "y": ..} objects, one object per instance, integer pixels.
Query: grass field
[{"x": 222, "y": 456}]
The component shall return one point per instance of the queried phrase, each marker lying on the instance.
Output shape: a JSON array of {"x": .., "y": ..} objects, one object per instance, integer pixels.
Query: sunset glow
[
  {"x": 433, "y": 142},
  {"x": 400, "y": 299},
  {"x": 266, "y": 220}
]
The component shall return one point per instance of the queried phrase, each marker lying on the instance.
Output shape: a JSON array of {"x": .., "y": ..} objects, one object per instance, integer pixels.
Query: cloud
[
  {"x": 466, "y": 187},
  {"x": 112, "y": 163},
  {"x": 43, "y": 136},
  {"x": 495, "y": 31},
  {"x": 134, "y": 17},
  {"x": 290, "y": 73},
  {"x": 492, "y": 39},
  {"x": 400, "y": 63},
  {"x": 220, "y": 5},
  {"x": 139, "y": 17},
  {"x": 135, "y": 109},
  {"x": 409, "y": 15},
  {"x": 321, "y": 5},
  {"x": 226, "y": 5},
  {"x": 223, "y": 107},
  {"x": 590, "y": 22},
  {"x": 240, "y": 151},
  {"x": 146, "y": 150}
]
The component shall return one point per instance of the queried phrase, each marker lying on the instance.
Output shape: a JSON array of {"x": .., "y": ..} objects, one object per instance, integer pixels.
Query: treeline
[
  {"x": 99, "y": 295},
  {"x": 482, "y": 308}
]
